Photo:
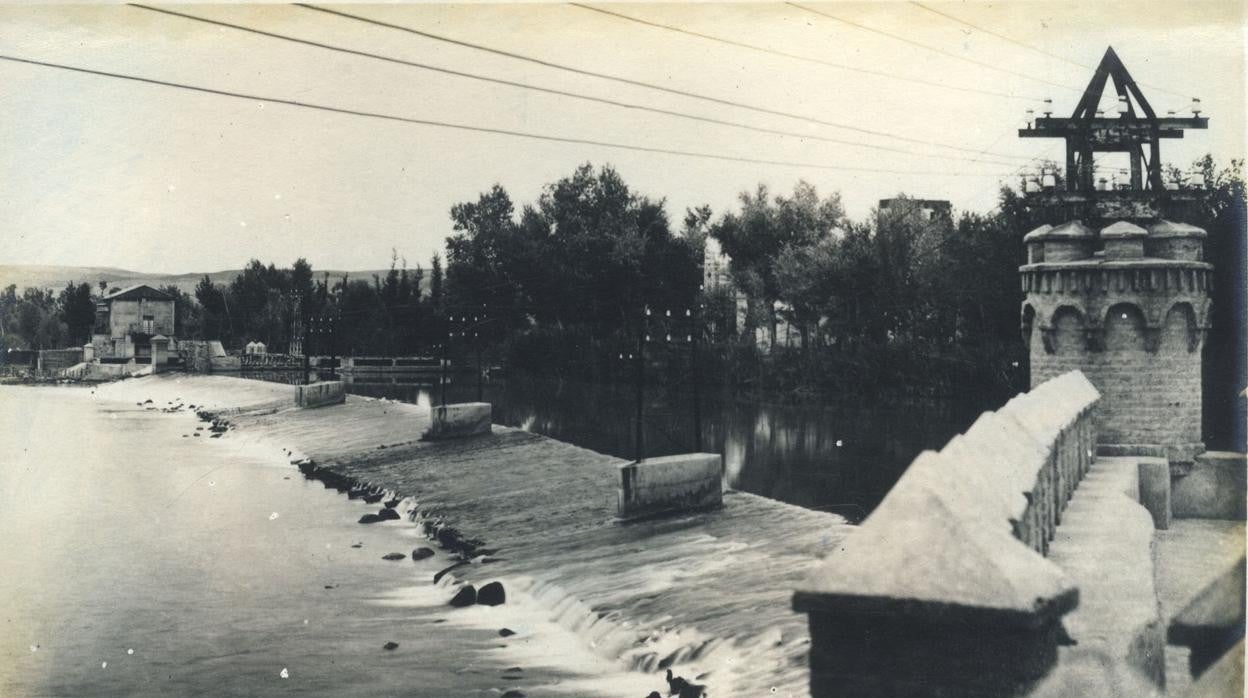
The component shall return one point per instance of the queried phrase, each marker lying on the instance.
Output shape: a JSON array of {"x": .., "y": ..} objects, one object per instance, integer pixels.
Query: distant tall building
[{"x": 715, "y": 265}]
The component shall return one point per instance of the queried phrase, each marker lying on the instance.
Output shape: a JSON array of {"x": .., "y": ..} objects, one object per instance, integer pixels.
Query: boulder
[
  {"x": 373, "y": 497},
  {"x": 492, "y": 594},
  {"x": 388, "y": 514},
  {"x": 394, "y": 556},
  {"x": 506, "y": 632},
  {"x": 513, "y": 694},
  {"x": 370, "y": 519},
  {"x": 466, "y": 596},
  {"x": 390, "y": 646},
  {"x": 422, "y": 553}
]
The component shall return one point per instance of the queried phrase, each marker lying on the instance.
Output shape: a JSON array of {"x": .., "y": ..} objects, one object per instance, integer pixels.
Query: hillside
[{"x": 56, "y": 277}]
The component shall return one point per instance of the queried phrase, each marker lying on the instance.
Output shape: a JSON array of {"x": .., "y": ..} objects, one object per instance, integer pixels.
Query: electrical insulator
[
  {"x": 1123, "y": 106},
  {"x": 1195, "y": 106},
  {"x": 1048, "y": 107}
]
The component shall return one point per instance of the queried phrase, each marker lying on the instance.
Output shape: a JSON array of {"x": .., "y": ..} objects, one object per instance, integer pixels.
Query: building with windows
[{"x": 134, "y": 323}]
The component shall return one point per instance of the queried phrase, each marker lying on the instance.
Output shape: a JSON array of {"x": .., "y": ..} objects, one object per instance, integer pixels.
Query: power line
[
  {"x": 943, "y": 52},
  {"x": 1027, "y": 46},
  {"x": 648, "y": 85},
  {"x": 547, "y": 90},
  {"x": 799, "y": 57},
  {"x": 482, "y": 129}
]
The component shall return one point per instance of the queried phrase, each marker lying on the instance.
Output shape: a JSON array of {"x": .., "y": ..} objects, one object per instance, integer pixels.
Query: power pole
[{"x": 640, "y": 366}]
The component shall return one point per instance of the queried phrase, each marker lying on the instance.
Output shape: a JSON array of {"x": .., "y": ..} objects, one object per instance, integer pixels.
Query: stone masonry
[{"x": 1132, "y": 317}]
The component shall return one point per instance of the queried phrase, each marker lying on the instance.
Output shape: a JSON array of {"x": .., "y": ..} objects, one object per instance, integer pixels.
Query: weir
[{"x": 701, "y": 592}]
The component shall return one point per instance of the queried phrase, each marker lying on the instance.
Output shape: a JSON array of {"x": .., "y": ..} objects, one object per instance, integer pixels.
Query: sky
[{"x": 101, "y": 171}]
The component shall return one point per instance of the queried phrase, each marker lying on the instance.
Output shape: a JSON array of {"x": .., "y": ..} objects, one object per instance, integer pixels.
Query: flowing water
[
  {"x": 139, "y": 559},
  {"x": 841, "y": 456}
]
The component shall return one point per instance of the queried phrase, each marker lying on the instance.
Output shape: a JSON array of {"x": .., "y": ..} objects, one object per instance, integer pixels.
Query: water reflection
[{"x": 840, "y": 457}]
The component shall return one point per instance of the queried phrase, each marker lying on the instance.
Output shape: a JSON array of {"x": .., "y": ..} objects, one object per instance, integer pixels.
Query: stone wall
[
  {"x": 54, "y": 360},
  {"x": 1138, "y": 339},
  {"x": 944, "y": 590},
  {"x": 320, "y": 394},
  {"x": 686, "y": 482},
  {"x": 459, "y": 420}
]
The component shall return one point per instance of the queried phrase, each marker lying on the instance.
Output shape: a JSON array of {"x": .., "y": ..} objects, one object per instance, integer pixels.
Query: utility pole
[
  {"x": 445, "y": 341},
  {"x": 640, "y": 365},
  {"x": 476, "y": 342},
  {"x": 695, "y": 332}
]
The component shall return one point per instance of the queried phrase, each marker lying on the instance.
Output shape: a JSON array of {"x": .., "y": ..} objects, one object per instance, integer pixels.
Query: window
[{"x": 149, "y": 321}]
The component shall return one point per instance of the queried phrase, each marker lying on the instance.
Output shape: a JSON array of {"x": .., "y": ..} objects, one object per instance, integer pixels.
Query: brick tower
[{"x": 1116, "y": 284}]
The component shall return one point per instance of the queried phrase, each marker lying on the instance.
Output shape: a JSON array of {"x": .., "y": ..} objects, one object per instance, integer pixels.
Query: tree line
[{"x": 562, "y": 283}]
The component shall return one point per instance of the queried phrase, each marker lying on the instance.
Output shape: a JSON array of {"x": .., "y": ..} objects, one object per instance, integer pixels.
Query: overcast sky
[{"x": 106, "y": 172}]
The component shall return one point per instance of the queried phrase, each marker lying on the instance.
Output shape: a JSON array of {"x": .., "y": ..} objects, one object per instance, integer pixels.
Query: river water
[
  {"x": 139, "y": 559},
  {"x": 841, "y": 456}
]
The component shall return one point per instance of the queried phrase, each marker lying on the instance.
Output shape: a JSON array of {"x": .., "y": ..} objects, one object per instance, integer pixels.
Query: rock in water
[
  {"x": 394, "y": 556},
  {"x": 466, "y": 596},
  {"x": 373, "y": 498},
  {"x": 370, "y": 519},
  {"x": 422, "y": 553},
  {"x": 513, "y": 694},
  {"x": 388, "y": 514},
  {"x": 492, "y": 594},
  {"x": 390, "y": 646},
  {"x": 506, "y": 632},
  {"x": 442, "y": 573}
]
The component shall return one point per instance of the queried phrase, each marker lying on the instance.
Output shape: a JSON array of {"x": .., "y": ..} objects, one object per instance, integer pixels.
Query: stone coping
[
  {"x": 1215, "y": 610},
  {"x": 1037, "y": 234},
  {"x": 1170, "y": 229},
  {"x": 942, "y": 540},
  {"x": 1070, "y": 230},
  {"x": 1135, "y": 263},
  {"x": 936, "y": 612},
  {"x": 1123, "y": 229}
]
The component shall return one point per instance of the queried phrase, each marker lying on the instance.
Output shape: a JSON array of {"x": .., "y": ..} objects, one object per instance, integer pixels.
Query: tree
[
  {"x": 77, "y": 312},
  {"x": 764, "y": 229}
]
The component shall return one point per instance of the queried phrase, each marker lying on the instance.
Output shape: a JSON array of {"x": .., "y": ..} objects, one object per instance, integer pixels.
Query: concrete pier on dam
[{"x": 706, "y": 592}]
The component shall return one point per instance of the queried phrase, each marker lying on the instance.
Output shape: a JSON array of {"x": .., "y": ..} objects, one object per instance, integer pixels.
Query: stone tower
[{"x": 1116, "y": 284}]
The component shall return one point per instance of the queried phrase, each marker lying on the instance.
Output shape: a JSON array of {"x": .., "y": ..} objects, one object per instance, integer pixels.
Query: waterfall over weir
[{"x": 706, "y": 594}]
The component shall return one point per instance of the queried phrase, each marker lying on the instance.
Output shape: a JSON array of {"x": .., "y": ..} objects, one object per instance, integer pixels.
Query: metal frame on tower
[{"x": 1136, "y": 130}]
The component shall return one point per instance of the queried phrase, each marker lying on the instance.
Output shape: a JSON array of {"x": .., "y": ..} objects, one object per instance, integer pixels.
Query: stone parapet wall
[{"x": 954, "y": 556}]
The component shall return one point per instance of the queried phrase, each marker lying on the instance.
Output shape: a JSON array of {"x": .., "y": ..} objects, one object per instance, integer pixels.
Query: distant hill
[{"x": 56, "y": 277}]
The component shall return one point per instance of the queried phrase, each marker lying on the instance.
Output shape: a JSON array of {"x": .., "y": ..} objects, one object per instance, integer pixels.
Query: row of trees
[
  {"x": 388, "y": 314},
  {"x": 41, "y": 319}
]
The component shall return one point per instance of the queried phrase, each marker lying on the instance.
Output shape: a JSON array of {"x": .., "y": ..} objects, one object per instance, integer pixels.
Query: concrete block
[
  {"x": 671, "y": 484},
  {"x": 1154, "y": 490},
  {"x": 320, "y": 394},
  {"x": 459, "y": 420},
  {"x": 1213, "y": 487}
]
